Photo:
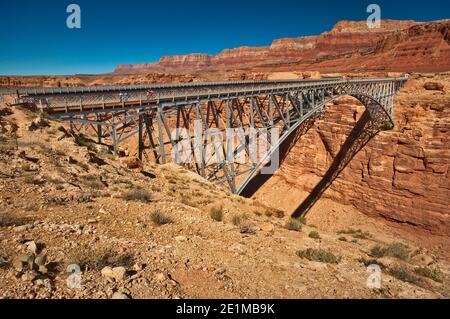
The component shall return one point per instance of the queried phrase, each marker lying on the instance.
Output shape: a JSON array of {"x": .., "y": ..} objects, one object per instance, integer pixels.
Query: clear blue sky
[{"x": 34, "y": 38}]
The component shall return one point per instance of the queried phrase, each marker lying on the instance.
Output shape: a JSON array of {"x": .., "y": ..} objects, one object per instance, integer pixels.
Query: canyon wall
[
  {"x": 401, "y": 175},
  {"x": 405, "y": 46}
]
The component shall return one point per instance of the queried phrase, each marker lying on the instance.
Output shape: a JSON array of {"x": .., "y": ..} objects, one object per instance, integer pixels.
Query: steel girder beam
[{"x": 262, "y": 106}]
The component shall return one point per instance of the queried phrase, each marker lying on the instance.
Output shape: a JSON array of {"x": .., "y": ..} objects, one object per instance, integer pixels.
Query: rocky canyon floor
[{"x": 160, "y": 231}]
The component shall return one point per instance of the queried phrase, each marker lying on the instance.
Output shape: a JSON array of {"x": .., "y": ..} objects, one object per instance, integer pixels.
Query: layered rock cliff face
[
  {"x": 401, "y": 175},
  {"x": 350, "y": 46}
]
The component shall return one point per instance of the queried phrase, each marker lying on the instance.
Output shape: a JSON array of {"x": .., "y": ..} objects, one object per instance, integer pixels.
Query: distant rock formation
[{"x": 402, "y": 46}]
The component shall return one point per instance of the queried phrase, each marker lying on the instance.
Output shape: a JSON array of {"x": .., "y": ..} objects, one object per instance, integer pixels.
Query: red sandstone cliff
[
  {"x": 350, "y": 46},
  {"x": 401, "y": 175}
]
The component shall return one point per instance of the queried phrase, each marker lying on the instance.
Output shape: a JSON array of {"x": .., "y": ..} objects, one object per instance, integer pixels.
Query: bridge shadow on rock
[
  {"x": 259, "y": 180},
  {"x": 364, "y": 130}
]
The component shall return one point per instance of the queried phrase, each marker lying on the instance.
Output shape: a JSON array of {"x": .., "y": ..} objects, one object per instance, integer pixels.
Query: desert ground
[{"x": 141, "y": 230}]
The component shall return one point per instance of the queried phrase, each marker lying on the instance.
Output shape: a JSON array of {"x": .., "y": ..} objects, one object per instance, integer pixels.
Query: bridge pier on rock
[{"x": 183, "y": 122}]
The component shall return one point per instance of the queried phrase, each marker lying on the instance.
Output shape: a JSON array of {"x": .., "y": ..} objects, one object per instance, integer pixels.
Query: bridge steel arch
[{"x": 116, "y": 114}]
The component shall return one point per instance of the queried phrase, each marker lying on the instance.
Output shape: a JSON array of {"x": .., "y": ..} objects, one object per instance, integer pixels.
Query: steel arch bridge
[{"x": 117, "y": 113}]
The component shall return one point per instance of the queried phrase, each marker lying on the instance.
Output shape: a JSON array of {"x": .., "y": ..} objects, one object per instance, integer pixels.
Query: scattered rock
[
  {"x": 119, "y": 295},
  {"x": 267, "y": 227},
  {"x": 160, "y": 277},
  {"x": 139, "y": 267},
  {"x": 94, "y": 159},
  {"x": 3, "y": 262},
  {"x": 22, "y": 228},
  {"x": 278, "y": 214},
  {"x": 422, "y": 259},
  {"x": 92, "y": 221},
  {"x": 38, "y": 123},
  {"x": 29, "y": 276},
  {"x": 180, "y": 239},
  {"x": 117, "y": 273},
  {"x": 132, "y": 163},
  {"x": 433, "y": 86},
  {"x": 31, "y": 247}
]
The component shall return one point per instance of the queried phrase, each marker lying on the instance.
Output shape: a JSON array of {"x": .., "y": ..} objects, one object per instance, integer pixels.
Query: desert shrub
[
  {"x": 367, "y": 262},
  {"x": 302, "y": 220},
  {"x": 268, "y": 213},
  {"x": 403, "y": 274},
  {"x": 92, "y": 181},
  {"x": 356, "y": 233},
  {"x": 396, "y": 250},
  {"x": 81, "y": 140},
  {"x": 137, "y": 194},
  {"x": 238, "y": 219},
  {"x": 186, "y": 200},
  {"x": 293, "y": 225},
  {"x": 216, "y": 214},
  {"x": 159, "y": 218},
  {"x": 314, "y": 235},
  {"x": 10, "y": 219},
  {"x": 96, "y": 258},
  {"x": 342, "y": 238},
  {"x": 433, "y": 274},
  {"x": 320, "y": 255}
]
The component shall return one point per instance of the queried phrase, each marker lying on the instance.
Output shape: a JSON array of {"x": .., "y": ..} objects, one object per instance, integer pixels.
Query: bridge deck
[{"x": 101, "y": 98}]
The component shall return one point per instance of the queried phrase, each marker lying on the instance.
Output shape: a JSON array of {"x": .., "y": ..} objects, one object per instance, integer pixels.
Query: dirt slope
[{"x": 65, "y": 197}]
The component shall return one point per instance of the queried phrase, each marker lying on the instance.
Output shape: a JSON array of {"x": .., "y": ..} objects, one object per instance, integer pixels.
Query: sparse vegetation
[
  {"x": 95, "y": 258},
  {"x": 314, "y": 234},
  {"x": 81, "y": 140},
  {"x": 92, "y": 181},
  {"x": 320, "y": 255},
  {"x": 403, "y": 274},
  {"x": 293, "y": 225},
  {"x": 433, "y": 274},
  {"x": 186, "y": 200},
  {"x": 216, "y": 214},
  {"x": 302, "y": 220},
  {"x": 137, "y": 194},
  {"x": 10, "y": 219},
  {"x": 356, "y": 233},
  {"x": 342, "y": 238},
  {"x": 160, "y": 218},
  {"x": 268, "y": 213},
  {"x": 238, "y": 219},
  {"x": 396, "y": 250}
]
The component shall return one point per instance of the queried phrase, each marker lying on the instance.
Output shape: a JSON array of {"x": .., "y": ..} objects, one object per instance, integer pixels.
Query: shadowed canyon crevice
[{"x": 400, "y": 175}]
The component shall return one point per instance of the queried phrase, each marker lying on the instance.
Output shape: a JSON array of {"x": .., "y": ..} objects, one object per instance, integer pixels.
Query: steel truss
[{"x": 288, "y": 106}]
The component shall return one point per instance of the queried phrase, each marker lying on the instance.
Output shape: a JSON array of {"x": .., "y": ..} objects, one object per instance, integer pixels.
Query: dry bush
[
  {"x": 138, "y": 195},
  {"x": 238, "y": 219},
  {"x": 216, "y": 214},
  {"x": 314, "y": 234},
  {"x": 96, "y": 258},
  {"x": 92, "y": 181},
  {"x": 293, "y": 225},
  {"x": 433, "y": 274},
  {"x": 396, "y": 250},
  {"x": 403, "y": 274},
  {"x": 320, "y": 255},
  {"x": 159, "y": 218},
  {"x": 10, "y": 219},
  {"x": 356, "y": 233}
]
